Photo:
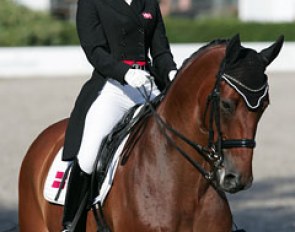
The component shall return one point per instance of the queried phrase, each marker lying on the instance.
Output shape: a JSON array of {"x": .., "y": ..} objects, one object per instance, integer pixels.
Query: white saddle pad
[{"x": 57, "y": 170}]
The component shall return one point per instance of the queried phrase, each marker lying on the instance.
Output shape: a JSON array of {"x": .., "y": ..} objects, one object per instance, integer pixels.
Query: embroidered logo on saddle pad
[{"x": 54, "y": 180}]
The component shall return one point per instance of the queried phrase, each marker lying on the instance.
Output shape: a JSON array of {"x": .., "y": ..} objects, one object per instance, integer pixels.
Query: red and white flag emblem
[
  {"x": 58, "y": 180},
  {"x": 147, "y": 15}
]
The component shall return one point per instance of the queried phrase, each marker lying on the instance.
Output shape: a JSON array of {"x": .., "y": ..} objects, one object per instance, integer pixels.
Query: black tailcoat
[{"x": 111, "y": 31}]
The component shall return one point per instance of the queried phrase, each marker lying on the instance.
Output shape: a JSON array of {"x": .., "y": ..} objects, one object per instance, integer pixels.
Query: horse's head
[
  {"x": 215, "y": 102},
  {"x": 243, "y": 97}
]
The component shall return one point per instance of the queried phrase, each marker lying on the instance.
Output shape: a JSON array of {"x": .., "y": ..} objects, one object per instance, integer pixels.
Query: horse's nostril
[
  {"x": 231, "y": 179},
  {"x": 231, "y": 176}
]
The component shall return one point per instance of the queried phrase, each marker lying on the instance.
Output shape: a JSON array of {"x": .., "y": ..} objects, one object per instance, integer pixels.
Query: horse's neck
[
  {"x": 183, "y": 109},
  {"x": 185, "y": 101}
]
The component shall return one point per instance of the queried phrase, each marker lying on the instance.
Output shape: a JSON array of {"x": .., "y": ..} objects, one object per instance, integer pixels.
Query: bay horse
[{"x": 197, "y": 144}]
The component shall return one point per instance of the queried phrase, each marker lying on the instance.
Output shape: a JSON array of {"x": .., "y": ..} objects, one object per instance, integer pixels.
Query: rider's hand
[{"x": 136, "y": 77}]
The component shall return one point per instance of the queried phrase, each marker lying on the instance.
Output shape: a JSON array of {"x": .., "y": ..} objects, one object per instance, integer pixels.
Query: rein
[
  {"x": 206, "y": 154},
  {"x": 213, "y": 152}
]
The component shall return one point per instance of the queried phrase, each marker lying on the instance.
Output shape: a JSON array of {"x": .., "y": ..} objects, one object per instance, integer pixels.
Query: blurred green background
[{"x": 21, "y": 26}]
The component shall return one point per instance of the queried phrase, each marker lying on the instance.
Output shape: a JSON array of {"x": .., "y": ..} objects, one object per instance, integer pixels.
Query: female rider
[{"x": 118, "y": 38}]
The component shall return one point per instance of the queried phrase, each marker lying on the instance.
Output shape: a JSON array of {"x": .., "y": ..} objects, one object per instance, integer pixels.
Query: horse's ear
[
  {"x": 233, "y": 49},
  {"x": 270, "y": 53}
]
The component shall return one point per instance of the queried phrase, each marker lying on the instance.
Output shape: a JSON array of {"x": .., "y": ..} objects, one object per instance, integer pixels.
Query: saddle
[{"x": 111, "y": 143}]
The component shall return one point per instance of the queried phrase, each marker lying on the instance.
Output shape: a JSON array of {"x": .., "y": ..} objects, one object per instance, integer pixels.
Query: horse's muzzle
[{"x": 232, "y": 182}]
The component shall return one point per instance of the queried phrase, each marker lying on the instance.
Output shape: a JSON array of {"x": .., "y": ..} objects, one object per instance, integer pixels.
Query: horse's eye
[{"x": 227, "y": 106}]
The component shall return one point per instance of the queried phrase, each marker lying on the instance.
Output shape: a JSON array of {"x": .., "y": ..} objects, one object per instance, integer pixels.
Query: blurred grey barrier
[{"x": 67, "y": 61}]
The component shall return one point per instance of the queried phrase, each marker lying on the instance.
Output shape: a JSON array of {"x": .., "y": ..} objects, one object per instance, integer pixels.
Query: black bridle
[
  {"x": 213, "y": 152},
  {"x": 220, "y": 144}
]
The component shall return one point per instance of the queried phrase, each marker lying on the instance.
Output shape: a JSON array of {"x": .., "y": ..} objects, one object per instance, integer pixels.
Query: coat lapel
[{"x": 132, "y": 11}]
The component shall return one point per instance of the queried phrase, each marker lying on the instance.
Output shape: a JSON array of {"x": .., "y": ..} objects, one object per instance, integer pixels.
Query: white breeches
[{"x": 105, "y": 112}]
